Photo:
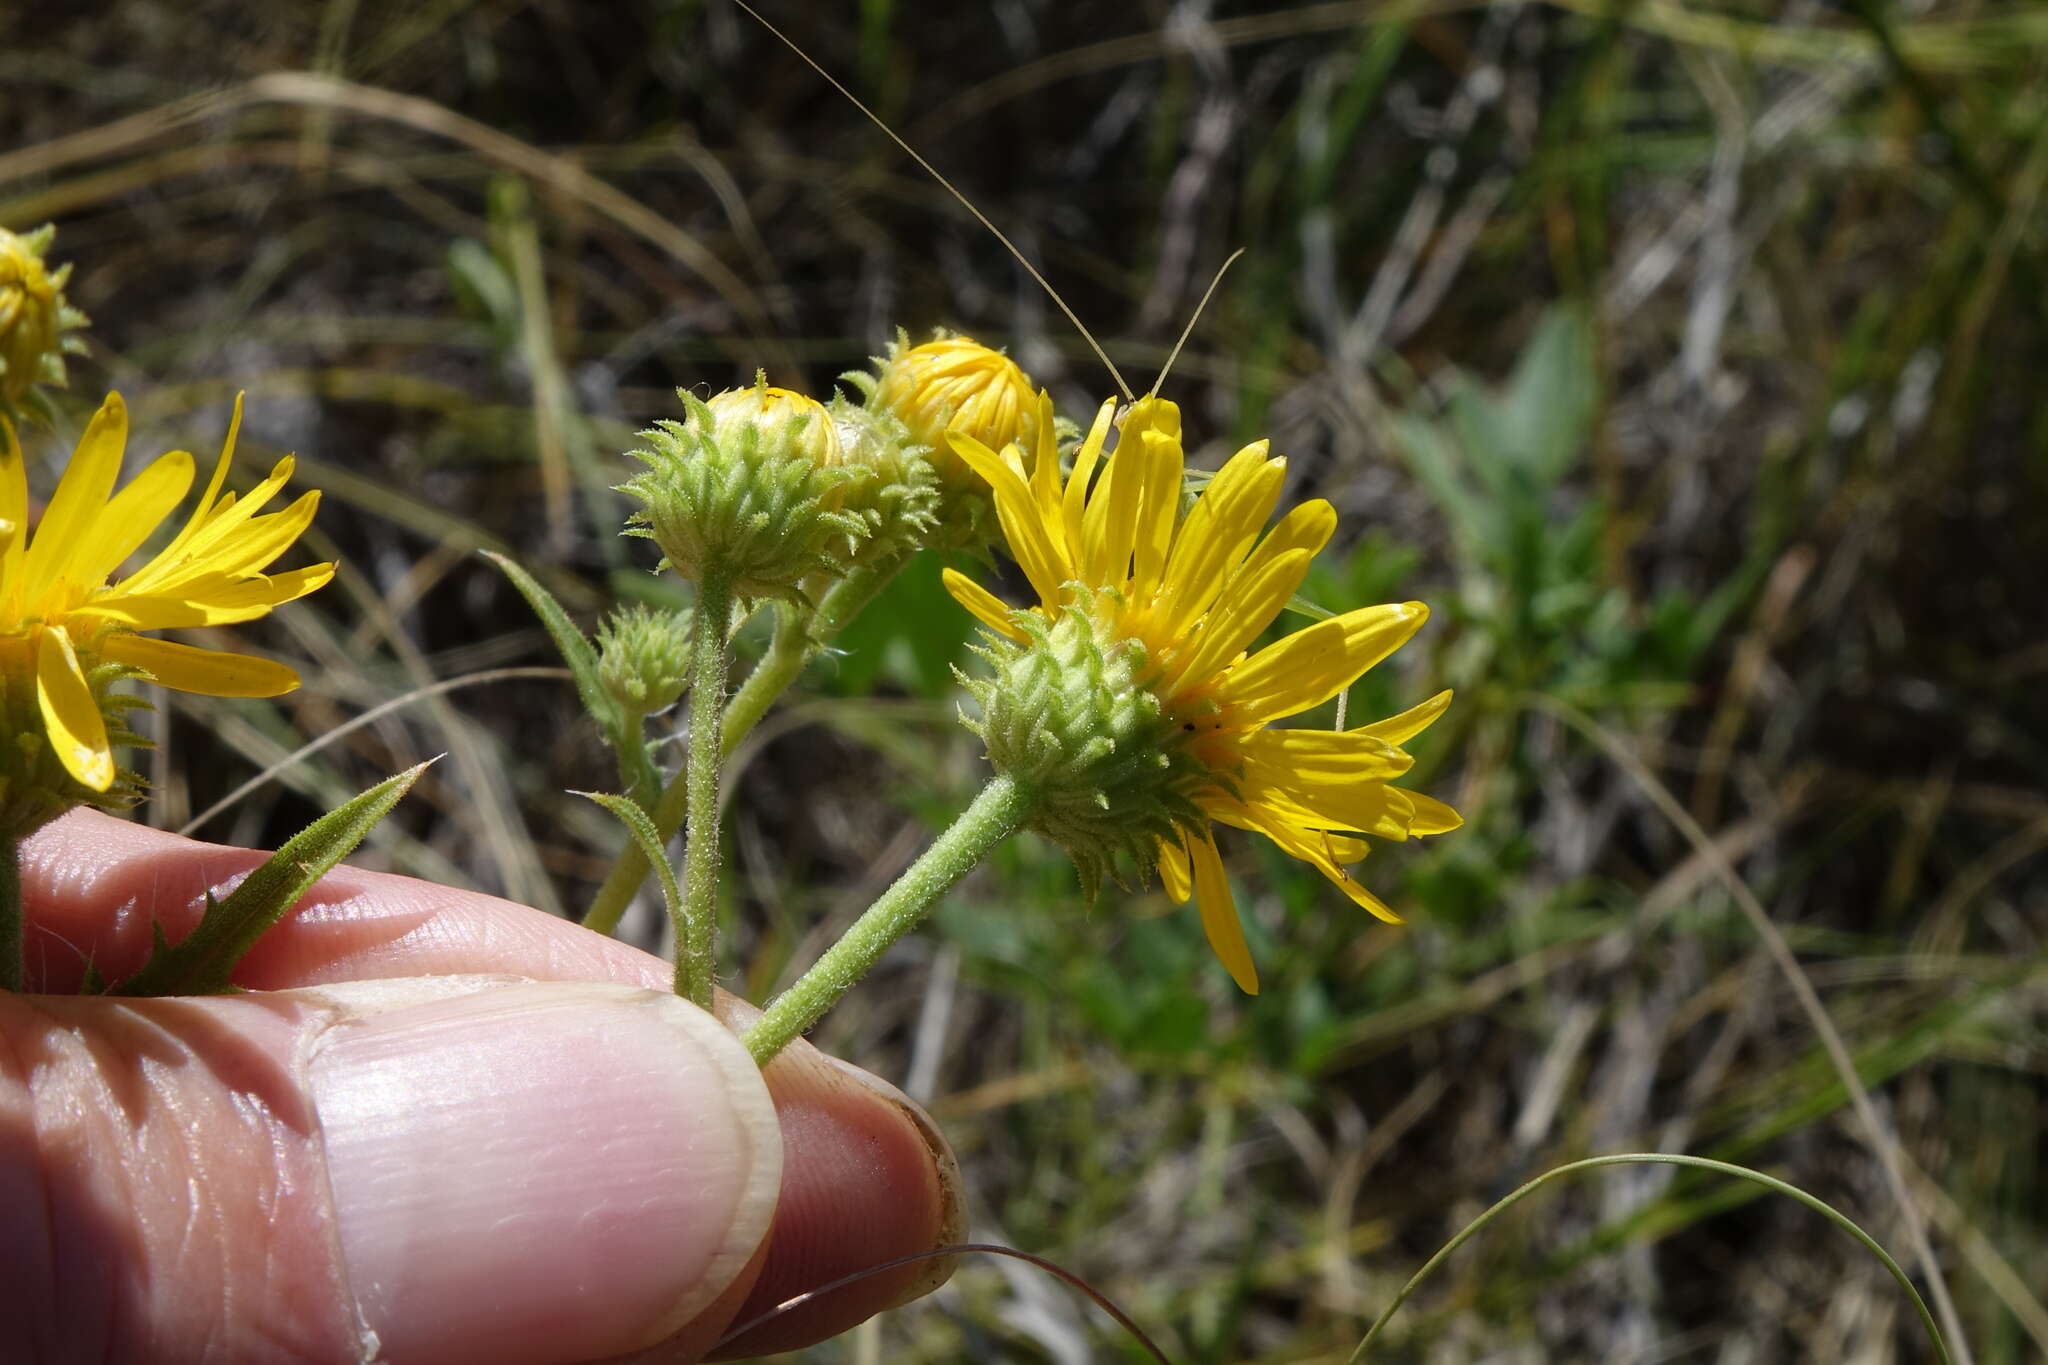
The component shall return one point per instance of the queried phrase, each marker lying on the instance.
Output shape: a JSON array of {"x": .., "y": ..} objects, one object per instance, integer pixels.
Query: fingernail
[{"x": 540, "y": 1172}]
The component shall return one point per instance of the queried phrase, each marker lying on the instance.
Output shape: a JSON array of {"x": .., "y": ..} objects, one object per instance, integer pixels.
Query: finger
[
  {"x": 93, "y": 886},
  {"x": 868, "y": 1179},
  {"x": 867, "y": 1176},
  {"x": 442, "y": 1170}
]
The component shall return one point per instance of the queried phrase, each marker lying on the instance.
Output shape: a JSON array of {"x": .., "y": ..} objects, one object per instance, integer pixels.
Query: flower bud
[
  {"x": 890, "y": 483},
  {"x": 35, "y": 321},
  {"x": 954, "y": 383},
  {"x": 788, "y": 424},
  {"x": 746, "y": 489},
  {"x": 643, "y": 658},
  {"x": 1068, "y": 715}
]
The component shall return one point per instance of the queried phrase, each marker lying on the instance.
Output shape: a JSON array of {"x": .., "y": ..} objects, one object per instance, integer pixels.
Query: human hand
[{"x": 479, "y": 1132}]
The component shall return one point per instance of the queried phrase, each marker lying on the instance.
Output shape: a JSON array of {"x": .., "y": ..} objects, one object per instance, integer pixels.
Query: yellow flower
[
  {"x": 957, "y": 384},
  {"x": 1195, "y": 588},
  {"x": 60, "y": 617}
]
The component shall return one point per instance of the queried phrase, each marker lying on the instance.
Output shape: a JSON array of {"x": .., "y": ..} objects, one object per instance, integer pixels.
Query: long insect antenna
[
  {"x": 947, "y": 185},
  {"x": 1193, "y": 318}
]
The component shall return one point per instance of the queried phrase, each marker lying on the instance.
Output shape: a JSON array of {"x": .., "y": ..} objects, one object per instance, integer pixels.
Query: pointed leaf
[
  {"x": 693, "y": 968},
  {"x": 576, "y": 650},
  {"x": 205, "y": 960}
]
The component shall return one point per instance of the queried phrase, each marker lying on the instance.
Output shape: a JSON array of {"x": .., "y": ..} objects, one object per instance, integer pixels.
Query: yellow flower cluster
[{"x": 1195, "y": 583}]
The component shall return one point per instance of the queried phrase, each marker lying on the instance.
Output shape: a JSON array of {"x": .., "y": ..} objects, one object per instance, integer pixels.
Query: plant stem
[
  {"x": 995, "y": 815},
  {"x": 638, "y": 777},
  {"x": 711, "y": 654},
  {"x": 797, "y": 640},
  {"x": 11, "y": 940},
  {"x": 788, "y": 651}
]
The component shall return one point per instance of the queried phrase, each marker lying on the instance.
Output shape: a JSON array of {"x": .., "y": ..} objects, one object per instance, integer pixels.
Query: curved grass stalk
[
  {"x": 369, "y": 717},
  {"x": 1820, "y": 1206},
  {"x": 1882, "y": 1144}
]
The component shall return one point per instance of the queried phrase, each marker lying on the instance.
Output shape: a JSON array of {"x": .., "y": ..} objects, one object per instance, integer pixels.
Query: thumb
[{"x": 442, "y": 1169}]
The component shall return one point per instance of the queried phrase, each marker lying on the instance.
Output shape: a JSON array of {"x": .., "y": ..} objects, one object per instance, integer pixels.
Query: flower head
[
  {"x": 890, "y": 484},
  {"x": 643, "y": 658},
  {"x": 34, "y": 318},
  {"x": 66, "y": 631},
  {"x": 747, "y": 489},
  {"x": 954, "y": 384},
  {"x": 1190, "y": 586}
]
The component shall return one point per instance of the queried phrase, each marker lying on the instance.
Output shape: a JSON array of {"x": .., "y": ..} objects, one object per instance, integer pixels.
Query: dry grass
[{"x": 1788, "y": 553}]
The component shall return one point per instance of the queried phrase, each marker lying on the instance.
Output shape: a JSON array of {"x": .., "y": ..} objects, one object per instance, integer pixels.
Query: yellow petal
[
  {"x": 134, "y": 512},
  {"x": 255, "y": 543},
  {"x": 1116, "y": 511},
  {"x": 13, "y": 508},
  {"x": 1410, "y": 723},
  {"x": 1367, "y": 807},
  {"x": 1221, "y": 526},
  {"x": 1311, "y": 666},
  {"x": 1326, "y": 855},
  {"x": 1219, "y": 914},
  {"x": 989, "y": 609},
  {"x": 205, "y": 507},
  {"x": 1074, "y": 501},
  {"x": 208, "y": 671},
  {"x": 1242, "y": 600},
  {"x": 1431, "y": 815},
  {"x": 74, "y": 511},
  {"x": 1316, "y": 758},
  {"x": 1247, "y": 607},
  {"x": 1045, "y": 468},
  {"x": 211, "y": 600},
  {"x": 1029, "y": 544},
  {"x": 71, "y": 718},
  {"x": 1158, "y": 512},
  {"x": 1173, "y": 871},
  {"x": 232, "y": 531}
]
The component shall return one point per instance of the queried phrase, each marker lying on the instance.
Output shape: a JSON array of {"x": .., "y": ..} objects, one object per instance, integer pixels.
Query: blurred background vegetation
[{"x": 1686, "y": 358}]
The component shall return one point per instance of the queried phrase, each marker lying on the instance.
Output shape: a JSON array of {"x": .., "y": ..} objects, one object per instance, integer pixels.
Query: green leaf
[
  {"x": 1552, "y": 398},
  {"x": 693, "y": 978},
  {"x": 576, "y": 651},
  {"x": 205, "y": 960}
]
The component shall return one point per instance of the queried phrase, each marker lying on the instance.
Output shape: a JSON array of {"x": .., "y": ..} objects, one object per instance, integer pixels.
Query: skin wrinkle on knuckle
[{"x": 178, "y": 1166}]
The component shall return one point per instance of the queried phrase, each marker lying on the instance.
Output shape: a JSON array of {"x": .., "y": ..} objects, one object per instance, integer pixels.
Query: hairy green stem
[
  {"x": 638, "y": 777},
  {"x": 788, "y": 651},
  {"x": 711, "y": 655},
  {"x": 797, "y": 640},
  {"x": 11, "y": 939},
  {"x": 995, "y": 815}
]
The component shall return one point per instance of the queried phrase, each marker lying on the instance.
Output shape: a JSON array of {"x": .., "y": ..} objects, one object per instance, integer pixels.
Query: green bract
[
  {"x": 1067, "y": 715},
  {"x": 747, "y": 490},
  {"x": 891, "y": 485},
  {"x": 644, "y": 658},
  {"x": 35, "y": 321}
]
